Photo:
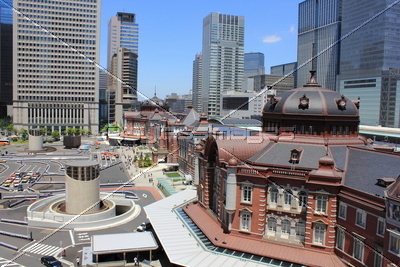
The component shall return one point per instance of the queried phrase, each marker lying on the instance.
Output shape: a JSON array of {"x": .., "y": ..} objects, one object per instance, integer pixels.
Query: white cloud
[
  {"x": 271, "y": 39},
  {"x": 292, "y": 29}
]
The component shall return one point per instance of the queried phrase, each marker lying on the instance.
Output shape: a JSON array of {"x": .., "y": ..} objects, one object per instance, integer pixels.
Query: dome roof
[
  {"x": 311, "y": 99},
  {"x": 154, "y": 101}
]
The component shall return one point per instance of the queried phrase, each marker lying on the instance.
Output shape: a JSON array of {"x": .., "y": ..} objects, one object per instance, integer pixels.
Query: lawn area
[{"x": 172, "y": 174}]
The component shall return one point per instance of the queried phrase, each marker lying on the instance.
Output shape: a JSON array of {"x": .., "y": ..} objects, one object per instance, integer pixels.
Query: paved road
[{"x": 50, "y": 242}]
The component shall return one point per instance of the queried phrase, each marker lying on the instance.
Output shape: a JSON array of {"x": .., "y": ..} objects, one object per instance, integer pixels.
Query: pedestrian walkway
[
  {"x": 4, "y": 262},
  {"x": 42, "y": 249}
]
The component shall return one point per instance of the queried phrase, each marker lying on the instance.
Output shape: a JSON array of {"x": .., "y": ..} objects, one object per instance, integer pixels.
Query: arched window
[
  {"x": 271, "y": 224},
  {"x": 302, "y": 199},
  {"x": 274, "y": 195}
]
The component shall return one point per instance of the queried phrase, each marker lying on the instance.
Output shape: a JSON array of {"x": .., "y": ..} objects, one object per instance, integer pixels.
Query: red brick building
[{"x": 307, "y": 191}]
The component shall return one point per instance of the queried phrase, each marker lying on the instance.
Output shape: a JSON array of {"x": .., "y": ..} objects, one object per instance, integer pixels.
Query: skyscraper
[
  {"x": 370, "y": 60},
  {"x": 123, "y": 95},
  {"x": 55, "y": 48},
  {"x": 253, "y": 64},
  {"x": 319, "y": 24},
  {"x": 123, "y": 31},
  {"x": 6, "y": 58},
  {"x": 123, "y": 38},
  {"x": 196, "y": 83},
  {"x": 223, "y": 59}
]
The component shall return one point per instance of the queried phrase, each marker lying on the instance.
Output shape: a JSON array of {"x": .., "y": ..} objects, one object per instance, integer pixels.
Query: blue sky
[{"x": 170, "y": 35}]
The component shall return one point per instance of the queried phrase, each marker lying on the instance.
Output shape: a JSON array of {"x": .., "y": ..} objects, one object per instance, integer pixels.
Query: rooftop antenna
[{"x": 155, "y": 90}]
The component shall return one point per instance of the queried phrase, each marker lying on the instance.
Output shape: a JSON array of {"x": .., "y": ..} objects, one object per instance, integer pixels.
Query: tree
[
  {"x": 56, "y": 135},
  {"x": 23, "y": 134},
  {"x": 10, "y": 128},
  {"x": 44, "y": 131}
]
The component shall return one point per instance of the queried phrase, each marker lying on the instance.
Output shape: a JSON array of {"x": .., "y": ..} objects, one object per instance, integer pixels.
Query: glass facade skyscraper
[
  {"x": 370, "y": 60},
  {"x": 123, "y": 49},
  {"x": 56, "y": 81},
  {"x": 253, "y": 64},
  {"x": 223, "y": 59},
  {"x": 6, "y": 33},
  {"x": 123, "y": 31},
  {"x": 319, "y": 27}
]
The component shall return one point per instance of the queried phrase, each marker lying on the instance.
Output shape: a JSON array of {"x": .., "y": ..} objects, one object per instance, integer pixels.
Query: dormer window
[
  {"x": 295, "y": 155},
  {"x": 304, "y": 102},
  {"x": 273, "y": 101},
  {"x": 385, "y": 182},
  {"x": 341, "y": 103}
]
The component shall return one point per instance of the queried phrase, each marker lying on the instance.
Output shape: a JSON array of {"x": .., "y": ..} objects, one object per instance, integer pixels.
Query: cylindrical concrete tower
[
  {"x": 35, "y": 139},
  {"x": 82, "y": 187}
]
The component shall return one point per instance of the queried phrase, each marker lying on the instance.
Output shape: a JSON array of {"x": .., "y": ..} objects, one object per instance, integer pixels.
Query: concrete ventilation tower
[
  {"x": 35, "y": 140},
  {"x": 82, "y": 187}
]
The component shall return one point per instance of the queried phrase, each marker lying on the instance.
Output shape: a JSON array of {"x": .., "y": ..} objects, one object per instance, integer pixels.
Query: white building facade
[
  {"x": 223, "y": 59},
  {"x": 55, "y": 49}
]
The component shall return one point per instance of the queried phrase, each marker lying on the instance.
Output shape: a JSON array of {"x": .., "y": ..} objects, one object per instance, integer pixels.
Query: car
[
  {"x": 6, "y": 183},
  {"x": 17, "y": 181},
  {"x": 95, "y": 156},
  {"x": 50, "y": 261},
  {"x": 144, "y": 227},
  {"x": 97, "y": 147},
  {"x": 2, "y": 161}
]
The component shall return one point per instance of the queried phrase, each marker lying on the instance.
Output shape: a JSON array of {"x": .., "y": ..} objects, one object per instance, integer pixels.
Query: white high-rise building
[
  {"x": 55, "y": 48},
  {"x": 223, "y": 59},
  {"x": 196, "y": 83}
]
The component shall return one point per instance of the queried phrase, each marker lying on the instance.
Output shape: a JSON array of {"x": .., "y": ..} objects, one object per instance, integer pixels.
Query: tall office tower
[
  {"x": 369, "y": 61},
  {"x": 123, "y": 32},
  {"x": 55, "y": 48},
  {"x": 223, "y": 59},
  {"x": 196, "y": 83},
  {"x": 6, "y": 58},
  {"x": 253, "y": 64},
  {"x": 122, "y": 90},
  {"x": 319, "y": 27}
]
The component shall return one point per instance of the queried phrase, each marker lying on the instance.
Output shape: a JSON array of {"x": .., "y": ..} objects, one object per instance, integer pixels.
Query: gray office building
[
  {"x": 223, "y": 59},
  {"x": 370, "y": 60},
  {"x": 55, "y": 78},
  {"x": 319, "y": 27}
]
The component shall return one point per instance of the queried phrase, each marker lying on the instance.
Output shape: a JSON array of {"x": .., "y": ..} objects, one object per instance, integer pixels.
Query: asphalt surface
[{"x": 54, "y": 241}]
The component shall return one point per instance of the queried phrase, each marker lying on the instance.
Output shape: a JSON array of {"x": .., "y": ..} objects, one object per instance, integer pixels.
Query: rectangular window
[
  {"x": 394, "y": 244},
  {"x": 322, "y": 201},
  {"x": 378, "y": 259},
  {"x": 380, "y": 228},
  {"x": 340, "y": 238},
  {"x": 245, "y": 221},
  {"x": 342, "y": 211},
  {"x": 360, "y": 218},
  {"x": 358, "y": 250},
  {"x": 246, "y": 195},
  {"x": 274, "y": 195},
  {"x": 319, "y": 234}
]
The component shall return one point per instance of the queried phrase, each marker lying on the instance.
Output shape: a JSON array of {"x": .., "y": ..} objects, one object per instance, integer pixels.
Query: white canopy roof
[
  {"x": 178, "y": 242},
  {"x": 123, "y": 242}
]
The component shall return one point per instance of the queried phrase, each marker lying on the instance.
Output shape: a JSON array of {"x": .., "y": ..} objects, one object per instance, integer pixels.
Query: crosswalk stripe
[
  {"x": 42, "y": 249},
  {"x": 5, "y": 263}
]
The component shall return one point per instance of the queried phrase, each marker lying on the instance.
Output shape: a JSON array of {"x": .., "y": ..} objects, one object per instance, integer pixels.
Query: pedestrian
[
  {"x": 135, "y": 260},
  {"x": 78, "y": 261},
  {"x": 64, "y": 254}
]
